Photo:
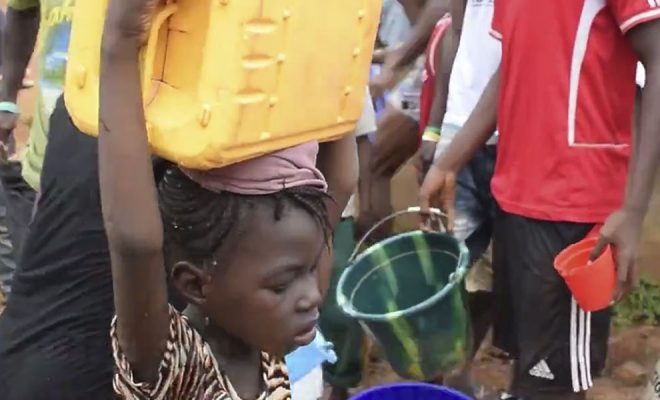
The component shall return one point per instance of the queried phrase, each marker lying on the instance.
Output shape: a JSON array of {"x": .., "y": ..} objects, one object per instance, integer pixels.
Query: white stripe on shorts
[{"x": 580, "y": 347}]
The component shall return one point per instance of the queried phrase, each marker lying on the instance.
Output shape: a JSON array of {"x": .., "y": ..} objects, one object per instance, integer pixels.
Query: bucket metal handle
[
  {"x": 409, "y": 210},
  {"x": 454, "y": 278}
]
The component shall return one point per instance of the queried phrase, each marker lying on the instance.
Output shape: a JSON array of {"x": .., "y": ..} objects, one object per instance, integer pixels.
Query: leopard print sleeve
[{"x": 188, "y": 369}]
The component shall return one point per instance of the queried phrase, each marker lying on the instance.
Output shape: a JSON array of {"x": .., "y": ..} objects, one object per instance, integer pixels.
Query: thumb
[
  {"x": 448, "y": 199},
  {"x": 424, "y": 200},
  {"x": 426, "y": 193},
  {"x": 424, "y": 207},
  {"x": 451, "y": 215},
  {"x": 599, "y": 248},
  {"x": 375, "y": 90}
]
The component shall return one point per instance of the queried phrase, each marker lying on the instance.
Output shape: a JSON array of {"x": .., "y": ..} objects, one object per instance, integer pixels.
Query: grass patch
[{"x": 640, "y": 307}]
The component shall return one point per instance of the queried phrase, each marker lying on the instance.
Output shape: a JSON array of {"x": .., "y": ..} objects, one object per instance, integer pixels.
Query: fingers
[
  {"x": 449, "y": 217},
  {"x": 441, "y": 186},
  {"x": 447, "y": 201},
  {"x": 430, "y": 221},
  {"x": 599, "y": 248},
  {"x": 425, "y": 206},
  {"x": 376, "y": 88},
  {"x": 432, "y": 184},
  {"x": 627, "y": 273},
  {"x": 634, "y": 276}
]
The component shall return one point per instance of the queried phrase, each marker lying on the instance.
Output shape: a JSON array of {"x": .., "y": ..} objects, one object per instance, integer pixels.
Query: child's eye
[
  {"x": 279, "y": 289},
  {"x": 282, "y": 282}
]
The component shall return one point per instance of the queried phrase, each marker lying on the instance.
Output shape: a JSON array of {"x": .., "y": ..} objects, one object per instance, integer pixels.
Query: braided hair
[{"x": 199, "y": 223}]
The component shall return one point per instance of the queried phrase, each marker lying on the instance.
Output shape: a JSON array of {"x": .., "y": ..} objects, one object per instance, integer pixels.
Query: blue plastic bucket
[{"x": 410, "y": 391}]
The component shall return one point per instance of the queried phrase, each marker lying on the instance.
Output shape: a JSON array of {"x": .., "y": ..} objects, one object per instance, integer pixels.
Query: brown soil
[{"x": 491, "y": 373}]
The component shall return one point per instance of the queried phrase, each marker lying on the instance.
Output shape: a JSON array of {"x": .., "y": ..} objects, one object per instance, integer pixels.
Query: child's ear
[{"x": 190, "y": 280}]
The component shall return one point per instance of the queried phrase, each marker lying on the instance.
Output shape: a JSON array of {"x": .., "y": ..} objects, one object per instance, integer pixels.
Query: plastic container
[
  {"x": 410, "y": 391},
  {"x": 229, "y": 80},
  {"x": 305, "y": 359},
  {"x": 592, "y": 283},
  {"x": 407, "y": 292}
]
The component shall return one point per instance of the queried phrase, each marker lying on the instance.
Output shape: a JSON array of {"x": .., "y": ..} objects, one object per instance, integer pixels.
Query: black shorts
[{"x": 558, "y": 348}]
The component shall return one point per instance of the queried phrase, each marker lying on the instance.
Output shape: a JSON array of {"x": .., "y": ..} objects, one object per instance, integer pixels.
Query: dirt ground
[
  {"x": 637, "y": 345},
  {"x": 640, "y": 345}
]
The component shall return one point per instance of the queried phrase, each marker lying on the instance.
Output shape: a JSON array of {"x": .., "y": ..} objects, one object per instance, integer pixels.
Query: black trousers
[{"x": 16, "y": 206}]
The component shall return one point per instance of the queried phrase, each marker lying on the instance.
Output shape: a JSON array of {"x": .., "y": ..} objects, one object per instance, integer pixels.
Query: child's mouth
[{"x": 306, "y": 336}]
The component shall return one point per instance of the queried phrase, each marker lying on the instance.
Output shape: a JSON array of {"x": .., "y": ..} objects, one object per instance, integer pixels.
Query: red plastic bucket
[{"x": 592, "y": 283}]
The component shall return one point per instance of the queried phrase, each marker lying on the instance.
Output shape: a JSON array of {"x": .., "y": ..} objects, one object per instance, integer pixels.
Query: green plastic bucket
[{"x": 407, "y": 292}]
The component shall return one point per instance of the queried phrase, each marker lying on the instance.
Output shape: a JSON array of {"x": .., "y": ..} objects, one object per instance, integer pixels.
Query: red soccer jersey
[
  {"x": 428, "y": 78},
  {"x": 565, "y": 107}
]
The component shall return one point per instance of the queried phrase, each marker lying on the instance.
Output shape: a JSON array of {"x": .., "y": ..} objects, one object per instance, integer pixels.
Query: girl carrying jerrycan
[{"x": 246, "y": 245}]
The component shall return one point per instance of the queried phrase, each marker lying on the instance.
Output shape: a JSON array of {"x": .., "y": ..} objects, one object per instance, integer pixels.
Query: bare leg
[{"x": 396, "y": 142}]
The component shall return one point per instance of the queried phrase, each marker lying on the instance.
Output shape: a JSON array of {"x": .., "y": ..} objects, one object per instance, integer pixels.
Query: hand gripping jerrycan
[{"x": 228, "y": 80}]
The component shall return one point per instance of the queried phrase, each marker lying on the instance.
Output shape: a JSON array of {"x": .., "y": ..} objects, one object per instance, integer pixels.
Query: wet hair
[{"x": 198, "y": 223}]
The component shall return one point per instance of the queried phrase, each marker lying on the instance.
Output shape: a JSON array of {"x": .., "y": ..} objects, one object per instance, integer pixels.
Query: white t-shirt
[
  {"x": 476, "y": 61},
  {"x": 394, "y": 26}
]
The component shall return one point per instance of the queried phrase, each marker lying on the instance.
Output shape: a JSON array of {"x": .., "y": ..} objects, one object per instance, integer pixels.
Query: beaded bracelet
[{"x": 432, "y": 134}]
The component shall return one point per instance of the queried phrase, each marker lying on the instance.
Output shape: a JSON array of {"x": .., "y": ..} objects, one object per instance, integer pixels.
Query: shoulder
[{"x": 188, "y": 366}]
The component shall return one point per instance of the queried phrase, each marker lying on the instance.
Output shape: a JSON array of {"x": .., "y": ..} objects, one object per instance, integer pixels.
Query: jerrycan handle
[
  {"x": 409, "y": 210},
  {"x": 152, "y": 46}
]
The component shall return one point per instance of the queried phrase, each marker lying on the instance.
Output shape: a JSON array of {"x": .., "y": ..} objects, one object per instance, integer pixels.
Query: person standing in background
[
  {"x": 397, "y": 137},
  {"x": 7, "y": 259},
  {"x": 22, "y": 179},
  {"x": 375, "y": 193},
  {"x": 345, "y": 333},
  {"x": 458, "y": 68},
  {"x": 27, "y": 79},
  {"x": 567, "y": 164}
]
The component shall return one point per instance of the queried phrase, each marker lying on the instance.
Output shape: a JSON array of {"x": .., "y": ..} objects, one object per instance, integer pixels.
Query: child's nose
[{"x": 311, "y": 298}]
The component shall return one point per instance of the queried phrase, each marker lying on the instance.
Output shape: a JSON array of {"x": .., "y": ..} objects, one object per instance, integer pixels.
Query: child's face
[{"x": 266, "y": 290}]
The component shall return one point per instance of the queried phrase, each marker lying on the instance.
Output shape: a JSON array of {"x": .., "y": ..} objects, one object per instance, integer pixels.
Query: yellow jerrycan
[{"x": 228, "y": 80}]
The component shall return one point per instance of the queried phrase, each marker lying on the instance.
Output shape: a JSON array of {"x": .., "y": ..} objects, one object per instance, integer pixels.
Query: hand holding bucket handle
[
  {"x": 439, "y": 188},
  {"x": 622, "y": 231},
  {"x": 454, "y": 278},
  {"x": 409, "y": 210}
]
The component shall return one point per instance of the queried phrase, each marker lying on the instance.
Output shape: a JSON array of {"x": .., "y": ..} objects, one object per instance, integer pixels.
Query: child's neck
[
  {"x": 238, "y": 360},
  {"x": 222, "y": 344}
]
